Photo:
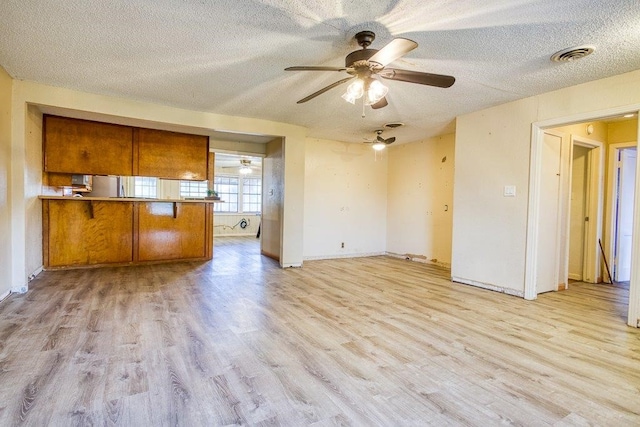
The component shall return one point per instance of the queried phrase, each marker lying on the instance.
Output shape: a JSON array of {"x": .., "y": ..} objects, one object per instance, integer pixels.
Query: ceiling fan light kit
[
  {"x": 363, "y": 64},
  {"x": 379, "y": 143},
  {"x": 372, "y": 90}
]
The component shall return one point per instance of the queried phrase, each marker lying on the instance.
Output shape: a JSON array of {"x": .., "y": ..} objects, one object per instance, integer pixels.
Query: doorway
[
  {"x": 625, "y": 175},
  {"x": 536, "y": 258},
  {"x": 578, "y": 216},
  {"x": 238, "y": 184},
  {"x": 570, "y": 210}
]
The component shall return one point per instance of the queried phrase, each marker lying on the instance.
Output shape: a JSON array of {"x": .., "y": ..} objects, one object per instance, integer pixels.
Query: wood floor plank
[{"x": 368, "y": 341}]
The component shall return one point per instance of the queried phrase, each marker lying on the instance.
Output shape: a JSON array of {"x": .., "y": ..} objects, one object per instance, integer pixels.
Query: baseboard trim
[
  {"x": 420, "y": 258},
  {"x": 488, "y": 286},
  {"x": 35, "y": 273},
  {"x": 577, "y": 277},
  {"x": 5, "y": 295},
  {"x": 237, "y": 235},
  {"x": 295, "y": 265},
  {"x": 334, "y": 256}
]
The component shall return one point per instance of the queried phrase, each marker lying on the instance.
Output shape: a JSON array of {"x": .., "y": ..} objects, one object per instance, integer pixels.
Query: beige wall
[
  {"x": 5, "y": 177},
  {"x": 345, "y": 199},
  {"x": 624, "y": 131},
  {"x": 492, "y": 150},
  {"x": 420, "y": 200},
  {"x": 32, "y": 189},
  {"x": 293, "y": 199}
]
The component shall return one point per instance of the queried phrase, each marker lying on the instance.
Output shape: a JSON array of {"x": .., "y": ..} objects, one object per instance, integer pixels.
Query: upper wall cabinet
[
  {"x": 86, "y": 147},
  {"x": 170, "y": 155}
]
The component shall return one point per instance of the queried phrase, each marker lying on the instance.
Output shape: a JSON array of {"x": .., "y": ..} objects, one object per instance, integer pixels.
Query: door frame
[
  {"x": 591, "y": 270},
  {"x": 612, "y": 180},
  {"x": 533, "y": 210}
]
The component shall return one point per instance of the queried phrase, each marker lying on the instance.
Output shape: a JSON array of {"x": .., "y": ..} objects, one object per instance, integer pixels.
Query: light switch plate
[{"x": 509, "y": 191}]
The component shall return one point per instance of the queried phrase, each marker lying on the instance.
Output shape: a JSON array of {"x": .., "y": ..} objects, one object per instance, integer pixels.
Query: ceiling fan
[
  {"x": 379, "y": 143},
  {"x": 244, "y": 168},
  {"x": 364, "y": 64}
]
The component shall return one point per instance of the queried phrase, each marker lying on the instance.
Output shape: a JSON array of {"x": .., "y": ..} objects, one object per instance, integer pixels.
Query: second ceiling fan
[{"x": 364, "y": 64}]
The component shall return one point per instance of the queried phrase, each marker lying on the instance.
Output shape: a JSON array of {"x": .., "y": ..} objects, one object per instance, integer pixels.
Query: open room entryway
[
  {"x": 581, "y": 214},
  {"x": 237, "y": 217}
]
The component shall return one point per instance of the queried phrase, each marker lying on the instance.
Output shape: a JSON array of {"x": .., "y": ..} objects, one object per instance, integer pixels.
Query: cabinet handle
[{"x": 175, "y": 210}]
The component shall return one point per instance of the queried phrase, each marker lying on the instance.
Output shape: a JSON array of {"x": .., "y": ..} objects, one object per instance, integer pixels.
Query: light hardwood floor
[{"x": 369, "y": 341}]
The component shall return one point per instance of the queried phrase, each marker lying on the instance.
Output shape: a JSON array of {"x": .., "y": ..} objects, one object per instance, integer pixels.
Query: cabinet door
[
  {"x": 85, "y": 147},
  {"x": 171, "y": 155},
  {"x": 172, "y": 230},
  {"x": 87, "y": 232}
]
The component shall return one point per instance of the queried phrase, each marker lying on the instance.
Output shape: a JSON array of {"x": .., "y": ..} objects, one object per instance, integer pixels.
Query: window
[
  {"x": 227, "y": 189},
  {"x": 145, "y": 187},
  {"x": 251, "y": 194},
  {"x": 239, "y": 193},
  {"x": 193, "y": 189}
]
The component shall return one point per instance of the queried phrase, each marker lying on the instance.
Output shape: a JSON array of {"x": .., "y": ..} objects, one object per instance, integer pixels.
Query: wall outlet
[{"x": 342, "y": 245}]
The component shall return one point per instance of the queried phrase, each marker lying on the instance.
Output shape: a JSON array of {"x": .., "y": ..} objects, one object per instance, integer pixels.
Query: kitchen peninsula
[{"x": 98, "y": 231}]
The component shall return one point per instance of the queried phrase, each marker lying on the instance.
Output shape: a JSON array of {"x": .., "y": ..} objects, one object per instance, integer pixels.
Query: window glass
[
  {"x": 251, "y": 194},
  {"x": 227, "y": 189},
  {"x": 146, "y": 187},
  {"x": 193, "y": 189}
]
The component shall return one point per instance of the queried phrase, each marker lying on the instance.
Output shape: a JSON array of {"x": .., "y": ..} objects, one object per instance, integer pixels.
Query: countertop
[{"x": 128, "y": 199}]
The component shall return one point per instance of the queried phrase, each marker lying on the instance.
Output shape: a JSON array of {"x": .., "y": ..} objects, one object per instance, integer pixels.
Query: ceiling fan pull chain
[{"x": 363, "y": 107}]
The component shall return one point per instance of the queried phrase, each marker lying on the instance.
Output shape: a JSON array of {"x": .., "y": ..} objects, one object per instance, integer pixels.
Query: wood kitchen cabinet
[
  {"x": 76, "y": 146},
  {"x": 87, "y": 232},
  {"x": 170, "y": 155},
  {"x": 92, "y": 231},
  {"x": 174, "y": 230}
]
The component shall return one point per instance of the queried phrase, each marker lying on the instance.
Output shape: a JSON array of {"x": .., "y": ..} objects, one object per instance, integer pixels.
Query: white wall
[
  {"x": 6, "y": 85},
  {"x": 420, "y": 200},
  {"x": 230, "y": 224},
  {"x": 492, "y": 150},
  {"x": 345, "y": 199}
]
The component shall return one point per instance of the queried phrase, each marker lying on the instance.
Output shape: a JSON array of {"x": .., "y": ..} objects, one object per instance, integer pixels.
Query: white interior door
[
  {"x": 578, "y": 211},
  {"x": 548, "y": 226},
  {"x": 624, "y": 227}
]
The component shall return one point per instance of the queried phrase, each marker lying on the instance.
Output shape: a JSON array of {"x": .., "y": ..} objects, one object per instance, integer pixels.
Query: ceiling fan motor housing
[{"x": 359, "y": 55}]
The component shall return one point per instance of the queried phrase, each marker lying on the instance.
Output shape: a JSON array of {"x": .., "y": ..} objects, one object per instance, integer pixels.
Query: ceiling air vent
[
  {"x": 572, "y": 53},
  {"x": 393, "y": 125}
]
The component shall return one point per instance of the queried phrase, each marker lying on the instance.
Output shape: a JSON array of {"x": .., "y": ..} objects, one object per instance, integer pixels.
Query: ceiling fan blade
[
  {"x": 438, "y": 80},
  {"x": 393, "y": 50},
  {"x": 324, "y": 89},
  {"x": 312, "y": 68},
  {"x": 380, "y": 104},
  {"x": 390, "y": 140}
]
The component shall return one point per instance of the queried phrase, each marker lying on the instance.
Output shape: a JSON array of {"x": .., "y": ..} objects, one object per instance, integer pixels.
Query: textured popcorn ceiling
[{"x": 228, "y": 57}]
